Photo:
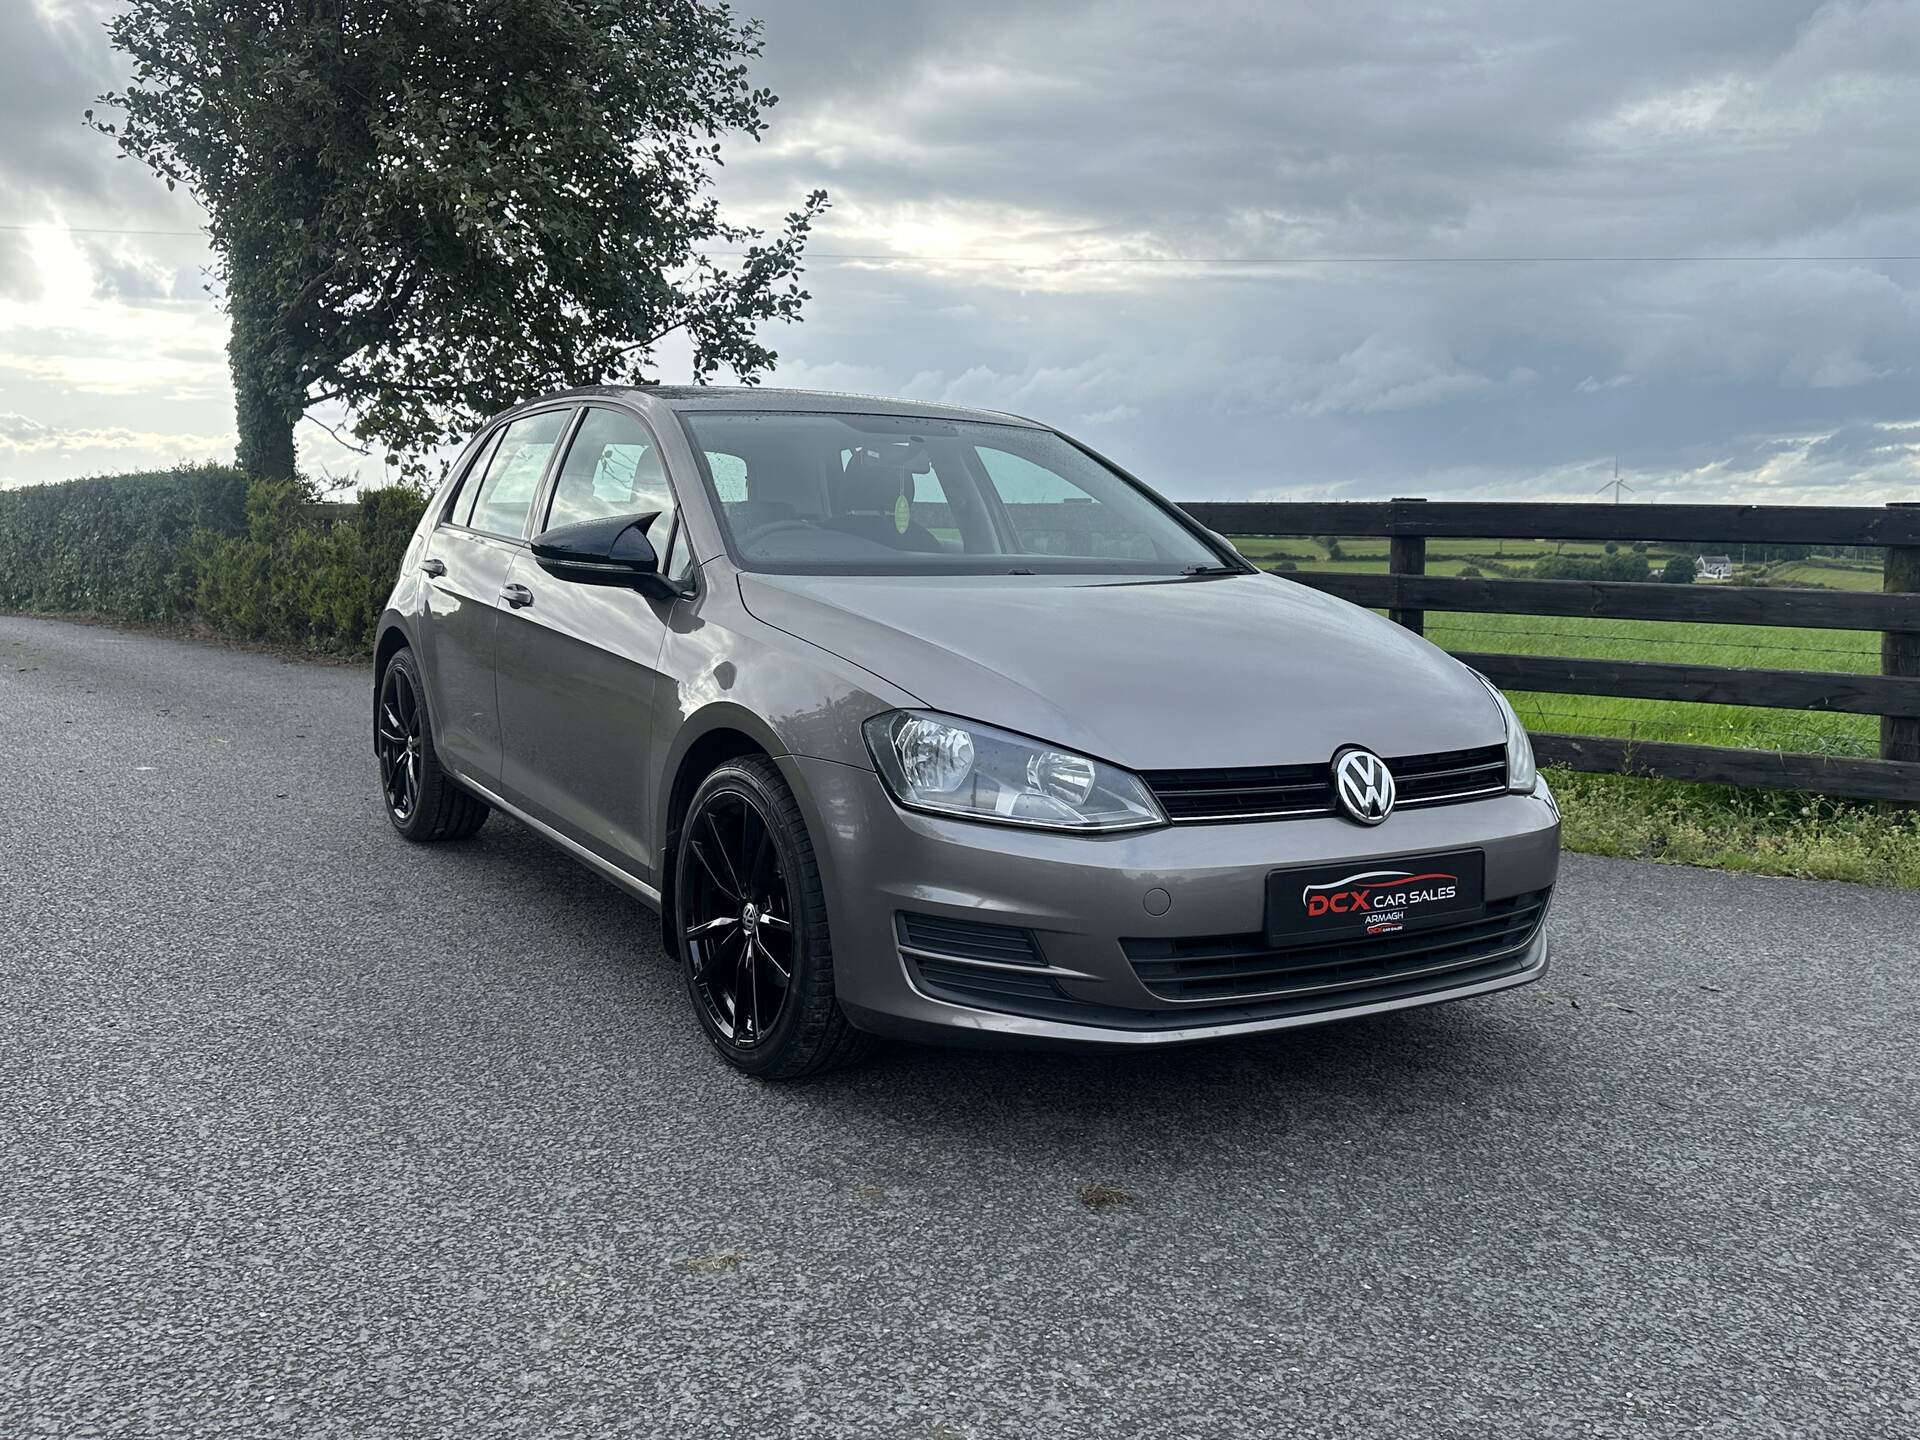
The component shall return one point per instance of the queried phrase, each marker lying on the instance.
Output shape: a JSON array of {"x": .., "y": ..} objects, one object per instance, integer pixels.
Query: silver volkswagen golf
[{"x": 927, "y": 721}]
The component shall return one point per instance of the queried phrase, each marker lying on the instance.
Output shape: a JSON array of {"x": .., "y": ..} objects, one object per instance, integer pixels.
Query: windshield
[{"x": 879, "y": 494}]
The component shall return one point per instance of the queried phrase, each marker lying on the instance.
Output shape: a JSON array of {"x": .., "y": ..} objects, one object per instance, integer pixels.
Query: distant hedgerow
[{"x": 200, "y": 544}]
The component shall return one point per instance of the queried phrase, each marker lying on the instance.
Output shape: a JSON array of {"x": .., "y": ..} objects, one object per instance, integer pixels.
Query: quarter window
[
  {"x": 679, "y": 562},
  {"x": 505, "y": 492},
  {"x": 460, "y": 512}
]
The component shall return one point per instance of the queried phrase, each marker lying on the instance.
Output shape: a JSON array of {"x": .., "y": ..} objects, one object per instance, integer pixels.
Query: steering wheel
[{"x": 773, "y": 527}]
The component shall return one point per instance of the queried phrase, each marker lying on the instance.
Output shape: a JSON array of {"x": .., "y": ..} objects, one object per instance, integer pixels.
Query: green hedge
[
  {"x": 200, "y": 544},
  {"x": 121, "y": 545}
]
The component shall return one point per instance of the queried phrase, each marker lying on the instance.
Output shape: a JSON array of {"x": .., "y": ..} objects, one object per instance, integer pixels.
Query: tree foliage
[{"x": 426, "y": 210}]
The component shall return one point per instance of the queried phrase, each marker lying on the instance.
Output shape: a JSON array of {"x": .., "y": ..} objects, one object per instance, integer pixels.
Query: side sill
[{"x": 632, "y": 884}]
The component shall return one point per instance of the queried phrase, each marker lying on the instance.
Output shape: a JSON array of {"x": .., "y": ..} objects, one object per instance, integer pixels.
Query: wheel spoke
[
  {"x": 737, "y": 890},
  {"x": 707, "y": 957},
  {"x": 767, "y": 955},
  {"x": 751, "y": 846},
  {"x": 772, "y": 921},
  {"x": 746, "y": 996},
  {"x": 718, "y": 923},
  {"x": 724, "y": 972},
  {"x": 706, "y": 864}
]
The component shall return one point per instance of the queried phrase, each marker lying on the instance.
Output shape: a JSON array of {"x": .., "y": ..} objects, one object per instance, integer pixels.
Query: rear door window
[{"x": 505, "y": 493}]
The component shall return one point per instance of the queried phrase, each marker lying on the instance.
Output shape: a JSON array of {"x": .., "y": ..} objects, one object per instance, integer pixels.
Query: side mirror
[{"x": 614, "y": 551}]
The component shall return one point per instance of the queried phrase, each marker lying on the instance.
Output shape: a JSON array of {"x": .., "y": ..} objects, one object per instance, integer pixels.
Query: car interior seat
[{"x": 866, "y": 502}]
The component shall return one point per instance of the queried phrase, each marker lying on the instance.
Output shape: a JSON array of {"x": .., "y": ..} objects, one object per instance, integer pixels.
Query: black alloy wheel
[
  {"x": 400, "y": 740},
  {"x": 737, "y": 928},
  {"x": 750, "y": 923},
  {"x": 423, "y": 801}
]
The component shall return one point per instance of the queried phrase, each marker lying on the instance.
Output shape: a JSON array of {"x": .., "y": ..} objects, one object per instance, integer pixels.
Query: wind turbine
[{"x": 1616, "y": 484}]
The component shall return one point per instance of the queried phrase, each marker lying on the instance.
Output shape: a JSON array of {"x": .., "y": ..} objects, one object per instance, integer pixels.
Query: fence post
[
  {"x": 1407, "y": 555},
  {"x": 1900, "y": 649}
]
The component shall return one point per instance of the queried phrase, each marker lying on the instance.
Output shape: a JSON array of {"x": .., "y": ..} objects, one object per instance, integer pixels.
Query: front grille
[
  {"x": 1229, "y": 968},
  {"x": 1285, "y": 792},
  {"x": 1450, "y": 775}
]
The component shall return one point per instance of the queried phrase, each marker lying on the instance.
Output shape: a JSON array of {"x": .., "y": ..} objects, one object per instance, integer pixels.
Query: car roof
[{"x": 766, "y": 399}]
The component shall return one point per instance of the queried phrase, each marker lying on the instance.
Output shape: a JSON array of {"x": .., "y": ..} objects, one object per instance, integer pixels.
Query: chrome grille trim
[{"x": 1297, "y": 792}]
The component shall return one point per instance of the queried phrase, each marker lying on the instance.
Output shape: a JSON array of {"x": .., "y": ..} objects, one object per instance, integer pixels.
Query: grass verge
[{"x": 1763, "y": 832}]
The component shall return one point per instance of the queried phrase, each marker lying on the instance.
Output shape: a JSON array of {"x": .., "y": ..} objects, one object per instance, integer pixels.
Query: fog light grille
[{"x": 970, "y": 939}]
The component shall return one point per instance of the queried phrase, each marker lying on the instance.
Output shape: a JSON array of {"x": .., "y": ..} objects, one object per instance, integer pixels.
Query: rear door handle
[
  {"x": 518, "y": 596},
  {"x": 433, "y": 566}
]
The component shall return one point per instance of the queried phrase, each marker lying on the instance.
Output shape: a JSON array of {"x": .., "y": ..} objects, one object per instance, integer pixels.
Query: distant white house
[{"x": 1716, "y": 567}]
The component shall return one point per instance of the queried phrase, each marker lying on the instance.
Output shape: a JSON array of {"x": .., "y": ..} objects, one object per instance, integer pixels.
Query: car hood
[{"x": 1163, "y": 674}]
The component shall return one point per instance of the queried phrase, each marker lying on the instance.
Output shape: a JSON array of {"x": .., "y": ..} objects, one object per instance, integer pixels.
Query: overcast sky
[{"x": 1354, "y": 250}]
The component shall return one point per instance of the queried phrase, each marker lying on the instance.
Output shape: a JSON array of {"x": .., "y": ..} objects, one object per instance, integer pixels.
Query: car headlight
[
  {"x": 961, "y": 767},
  {"x": 1522, "y": 772}
]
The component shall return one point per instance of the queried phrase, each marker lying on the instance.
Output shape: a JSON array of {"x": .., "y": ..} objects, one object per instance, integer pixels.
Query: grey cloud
[
  {"x": 1376, "y": 128},
  {"x": 21, "y": 430},
  {"x": 55, "y": 62},
  {"x": 1858, "y": 441},
  {"x": 1247, "y": 128},
  {"x": 1502, "y": 129},
  {"x": 19, "y": 279}
]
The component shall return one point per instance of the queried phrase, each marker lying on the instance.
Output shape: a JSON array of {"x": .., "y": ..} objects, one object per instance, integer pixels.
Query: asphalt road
[{"x": 306, "y": 1131}]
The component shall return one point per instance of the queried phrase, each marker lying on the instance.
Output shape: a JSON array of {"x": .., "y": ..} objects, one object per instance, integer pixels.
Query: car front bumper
[{"x": 1089, "y": 904}]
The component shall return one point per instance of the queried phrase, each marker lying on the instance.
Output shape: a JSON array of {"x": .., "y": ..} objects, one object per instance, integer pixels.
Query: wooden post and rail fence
[{"x": 1407, "y": 593}]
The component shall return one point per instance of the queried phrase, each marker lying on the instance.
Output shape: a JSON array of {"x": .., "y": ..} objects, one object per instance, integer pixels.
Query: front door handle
[
  {"x": 433, "y": 567},
  {"x": 518, "y": 596}
]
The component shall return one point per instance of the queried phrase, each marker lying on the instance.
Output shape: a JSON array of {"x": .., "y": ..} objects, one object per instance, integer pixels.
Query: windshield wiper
[{"x": 1208, "y": 572}]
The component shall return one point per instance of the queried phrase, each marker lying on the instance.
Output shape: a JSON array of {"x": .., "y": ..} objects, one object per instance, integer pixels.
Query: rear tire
[
  {"x": 751, "y": 928},
  {"x": 423, "y": 801}
]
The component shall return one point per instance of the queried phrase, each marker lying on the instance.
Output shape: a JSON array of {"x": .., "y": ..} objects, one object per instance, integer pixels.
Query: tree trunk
[
  {"x": 267, "y": 400},
  {"x": 265, "y": 418}
]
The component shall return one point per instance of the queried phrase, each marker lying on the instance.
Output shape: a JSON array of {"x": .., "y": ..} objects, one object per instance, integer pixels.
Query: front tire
[
  {"x": 422, "y": 799},
  {"x": 751, "y": 921}
]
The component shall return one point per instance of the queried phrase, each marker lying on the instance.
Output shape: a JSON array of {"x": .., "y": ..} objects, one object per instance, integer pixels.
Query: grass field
[
  {"x": 1741, "y": 645},
  {"x": 1764, "y": 831},
  {"x": 1744, "y": 645}
]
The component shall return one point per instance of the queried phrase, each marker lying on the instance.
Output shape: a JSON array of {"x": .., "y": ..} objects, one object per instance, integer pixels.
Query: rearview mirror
[{"x": 613, "y": 551}]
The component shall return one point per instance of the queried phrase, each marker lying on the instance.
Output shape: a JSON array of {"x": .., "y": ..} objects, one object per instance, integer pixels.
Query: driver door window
[{"x": 613, "y": 468}]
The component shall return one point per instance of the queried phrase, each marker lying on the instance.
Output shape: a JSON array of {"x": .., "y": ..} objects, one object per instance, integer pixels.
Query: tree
[
  {"x": 426, "y": 210},
  {"x": 1679, "y": 570}
]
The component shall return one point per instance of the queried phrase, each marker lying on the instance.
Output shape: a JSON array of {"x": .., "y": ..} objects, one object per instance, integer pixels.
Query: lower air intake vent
[
  {"x": 969, "y": 940},
  {"x": 972, "y": 962},
  {"x": 1244, "y": 967}
]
